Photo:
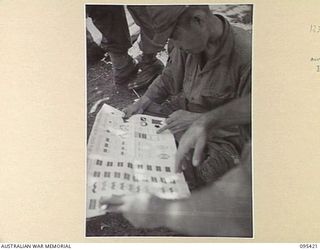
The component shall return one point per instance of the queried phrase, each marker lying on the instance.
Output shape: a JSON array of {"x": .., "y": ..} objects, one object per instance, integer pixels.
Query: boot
[
  {"x": 150, "y": 67},
  {"x": 124, "y": 68}
]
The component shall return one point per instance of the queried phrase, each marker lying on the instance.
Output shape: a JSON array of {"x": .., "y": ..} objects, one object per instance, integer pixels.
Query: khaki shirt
[{"x": 225, "y": 76}]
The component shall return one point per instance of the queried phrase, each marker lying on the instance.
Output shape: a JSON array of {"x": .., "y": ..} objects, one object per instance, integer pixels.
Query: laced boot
[
  {"x": 124, "y": 68},
  {"x": 150, "y": 67}
]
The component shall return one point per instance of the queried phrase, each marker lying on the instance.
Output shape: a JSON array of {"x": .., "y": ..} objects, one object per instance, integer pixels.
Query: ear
[{"x": 198, "y": 18}]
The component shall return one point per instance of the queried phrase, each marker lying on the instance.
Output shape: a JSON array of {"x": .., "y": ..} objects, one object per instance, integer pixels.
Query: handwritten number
[
  {"x": 312, "y": 29},
  {"x": 315, "y": 28}
]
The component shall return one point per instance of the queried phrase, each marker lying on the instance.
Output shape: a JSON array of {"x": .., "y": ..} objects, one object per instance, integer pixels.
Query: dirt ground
[{"x": 101, "y": 89}]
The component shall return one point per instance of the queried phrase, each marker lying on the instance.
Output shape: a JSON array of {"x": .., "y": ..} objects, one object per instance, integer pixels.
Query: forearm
[
  {"x": 222, "y": 209},
  {"x": 158, "y": 90},
  {"x": 237, "y": 112},
  {"x": 144, "y": 102}
]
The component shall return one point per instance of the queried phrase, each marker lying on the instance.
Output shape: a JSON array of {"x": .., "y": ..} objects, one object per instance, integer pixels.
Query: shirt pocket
[{"x": 213, "y": 97}]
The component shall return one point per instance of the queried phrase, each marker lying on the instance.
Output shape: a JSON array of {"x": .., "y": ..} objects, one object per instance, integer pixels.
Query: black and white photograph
[
  {"x": 168, "y": 95},
  {"x": 151, "y": 125}
]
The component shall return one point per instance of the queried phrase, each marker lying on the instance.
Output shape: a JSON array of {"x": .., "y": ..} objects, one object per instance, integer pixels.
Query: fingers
[
  {"x": 193, "y": 138},
  {"x": 126, "y": 112},
  {"x": 171, "y": 123},
  {"x": 178, "y": 163},
  {"x": 198, "y": 151},
  {"x": 184, "y": 153},
  {"x": 114, "y": 200},
  {"x": 170, "y": 119},
  {"x": 183, "y": 149},
  {"x": 131, "y": 110},
  {"x": 114, "y": 208},
  {"x": 165, "y": 127},
  {"x": 174, "y": 127},
  {"x": 139, "y": 111},
  {"x": 112, "y": 203}
]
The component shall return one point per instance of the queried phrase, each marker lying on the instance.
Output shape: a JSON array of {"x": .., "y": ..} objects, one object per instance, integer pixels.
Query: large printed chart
[{"x": 128, "y": 156}]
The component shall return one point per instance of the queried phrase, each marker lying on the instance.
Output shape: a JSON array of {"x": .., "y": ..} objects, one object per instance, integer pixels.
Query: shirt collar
[{"x": 225, "y": 46}]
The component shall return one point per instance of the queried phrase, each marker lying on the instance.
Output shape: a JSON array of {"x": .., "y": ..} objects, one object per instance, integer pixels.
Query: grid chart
[{"x": 129, "y": 157}]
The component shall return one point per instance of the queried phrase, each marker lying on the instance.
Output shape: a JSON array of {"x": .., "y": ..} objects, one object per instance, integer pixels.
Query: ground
[{"x": 101, "y": 89}]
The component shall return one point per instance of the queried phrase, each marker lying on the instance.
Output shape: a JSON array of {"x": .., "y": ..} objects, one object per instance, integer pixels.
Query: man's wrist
[
  {"x": 144, "y": 102},
  {"x": 207, "y": 120},
  {"x": 162, "y": 211},
  {"x": 170, "y": 207}
]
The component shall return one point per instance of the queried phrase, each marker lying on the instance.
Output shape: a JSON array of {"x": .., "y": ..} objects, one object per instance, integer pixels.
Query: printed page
[{"x": 128, "y": 157}]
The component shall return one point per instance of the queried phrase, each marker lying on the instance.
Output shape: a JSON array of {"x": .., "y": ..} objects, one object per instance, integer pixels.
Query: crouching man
[{"x": 209, "y": 65}]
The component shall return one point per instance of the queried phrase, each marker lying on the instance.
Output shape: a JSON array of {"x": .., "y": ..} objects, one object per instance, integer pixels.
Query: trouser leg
[
  {"x": 150, "y": 66},
  {"x": 112, "y": 23},
  {"x": 221, "y": 154},
  {"x": 219, "y": 159},
  {"x": 143, "y": 20}
]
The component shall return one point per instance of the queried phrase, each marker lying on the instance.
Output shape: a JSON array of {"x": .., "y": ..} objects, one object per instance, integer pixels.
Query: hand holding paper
[
  {"x": 179, "y": 121},
  {"x": 142, "y": 210},
  {"x": 127, "y": 158},
  {"x": 137, "y": 107}
]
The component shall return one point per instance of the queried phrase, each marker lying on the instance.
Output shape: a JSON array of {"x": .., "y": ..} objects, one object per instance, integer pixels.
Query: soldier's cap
[{"x": 164, "y": 20}]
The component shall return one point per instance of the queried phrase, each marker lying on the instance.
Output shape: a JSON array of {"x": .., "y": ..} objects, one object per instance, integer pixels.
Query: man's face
[{"x": 190, "y": 38}]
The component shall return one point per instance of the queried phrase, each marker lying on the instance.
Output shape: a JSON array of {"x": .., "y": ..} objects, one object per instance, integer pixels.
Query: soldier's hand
[
  {"x": 142, "y": 210},
  {"x": 195, "y": 137},
  {"x": 179, "y": 121},
  {"x": 137, "y": 107}
]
